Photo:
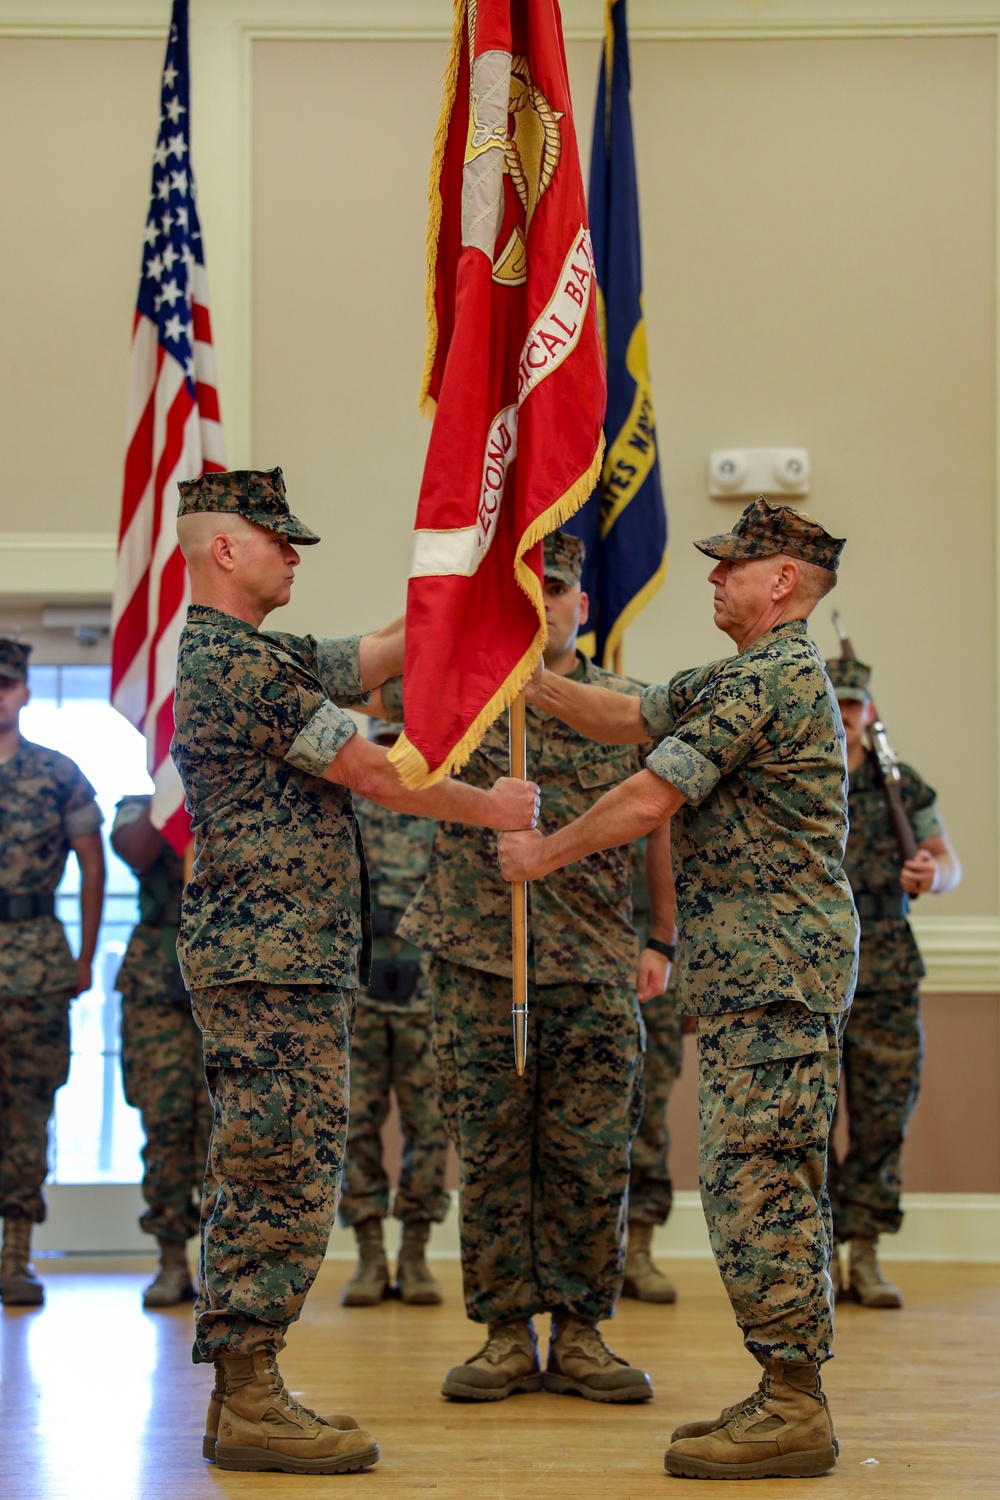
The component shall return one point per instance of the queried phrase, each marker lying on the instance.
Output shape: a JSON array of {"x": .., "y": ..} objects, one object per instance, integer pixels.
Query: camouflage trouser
[
  {"x": 544, "y": 1158},
  {"x": 393, "y": 1051},
  {"x": 883, "y": 1050},
  {"x": 276, "y": 1059},
  {"x": 650, "y": 1189},
  {"x": 34, "y": 1062},
  {"x": 767, "y": 1091},
  {"x": 164, "y": 1077}
]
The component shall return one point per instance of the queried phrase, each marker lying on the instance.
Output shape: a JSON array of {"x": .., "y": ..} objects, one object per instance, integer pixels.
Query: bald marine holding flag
[
  {"x": 274, "y": 940},
  {"x": 751, "y": 770}
]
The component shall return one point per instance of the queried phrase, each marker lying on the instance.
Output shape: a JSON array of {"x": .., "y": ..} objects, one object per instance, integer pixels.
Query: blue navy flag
[{"x": 624, "y": 523}]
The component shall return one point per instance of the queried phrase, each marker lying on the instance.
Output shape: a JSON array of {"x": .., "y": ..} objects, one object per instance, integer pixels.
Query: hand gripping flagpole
[{"x": 519, "y": 900}]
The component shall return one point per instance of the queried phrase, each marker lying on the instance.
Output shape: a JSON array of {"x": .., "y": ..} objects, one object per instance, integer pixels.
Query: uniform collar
[
  {"x": 791, "y": 628},
  {"x": 205, "y": 614}
]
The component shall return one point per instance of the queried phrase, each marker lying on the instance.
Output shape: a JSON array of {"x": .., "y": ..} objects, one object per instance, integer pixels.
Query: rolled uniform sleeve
[
  {"x": 335, "y": 661},
  {"x": 319, "y": 740},
  {"x": 81, "y": 814},
  {"x": 927, "y": 823},
  {"x": 338, "y": 667},
  {"x": 392, "y": 699},
  {"x": 920, "y": 802},
  {"x": 720, "y": 731}
]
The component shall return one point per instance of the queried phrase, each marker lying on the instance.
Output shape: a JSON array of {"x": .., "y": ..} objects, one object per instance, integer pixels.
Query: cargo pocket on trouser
[
  {"x": 271, "y": 1220},
  {"x": 264, "y": 1128},
  {"x": 768, "y": 1089}
]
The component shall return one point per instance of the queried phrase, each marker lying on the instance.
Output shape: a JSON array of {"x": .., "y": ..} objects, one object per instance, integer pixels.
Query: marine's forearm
[
  {"x": 612, "y": 718},
  {"x": 624, "y": 814}
]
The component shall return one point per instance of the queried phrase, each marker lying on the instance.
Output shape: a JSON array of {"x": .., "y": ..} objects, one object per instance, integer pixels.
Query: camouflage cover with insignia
[
  {"x": 756, "y": 745},
  {"x": 45, "y": 801}
]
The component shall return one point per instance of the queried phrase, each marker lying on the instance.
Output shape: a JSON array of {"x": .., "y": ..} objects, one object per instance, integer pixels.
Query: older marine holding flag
[
  {"x": 751, "y": 769},
  {"x": 624, "y": 523}
]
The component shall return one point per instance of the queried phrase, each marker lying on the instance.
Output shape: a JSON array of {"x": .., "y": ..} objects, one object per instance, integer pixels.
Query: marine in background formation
[
  {"x": 750, "y": 767},
  {"x": 275, "y": 936},
  {"x": 392, "y": 1053},
  {"x": 47, "y": 809},
  {"x": 650, "y": 1187},
  {"x": 163, "y": 1066},
  {"x": 544, "y": 1158},
  {"x": 883, "y": 1045}
]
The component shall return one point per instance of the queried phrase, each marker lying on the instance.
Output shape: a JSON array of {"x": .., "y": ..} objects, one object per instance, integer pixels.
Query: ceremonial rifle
[{"x": 887, "y": 763}]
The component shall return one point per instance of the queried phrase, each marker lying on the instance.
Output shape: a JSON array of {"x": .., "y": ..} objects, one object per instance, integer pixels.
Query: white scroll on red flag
[{"x": 514, "y": 378}]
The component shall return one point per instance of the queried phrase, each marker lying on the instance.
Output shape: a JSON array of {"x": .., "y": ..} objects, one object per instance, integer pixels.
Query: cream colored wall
[
  {"x": 78, "y": 122},
  {"x": 819, "y": 244},
  {"x": 819, "y": 249}
]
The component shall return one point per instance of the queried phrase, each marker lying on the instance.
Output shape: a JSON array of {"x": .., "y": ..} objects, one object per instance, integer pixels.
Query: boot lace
[
  {"x": 585, "y": 1339},
  {"x": 284, "y": 1395},
  {"x": 501, "y": 1342}
]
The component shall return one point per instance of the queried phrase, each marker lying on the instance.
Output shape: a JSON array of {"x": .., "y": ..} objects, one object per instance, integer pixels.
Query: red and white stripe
[{"x": 171, "y": 435}]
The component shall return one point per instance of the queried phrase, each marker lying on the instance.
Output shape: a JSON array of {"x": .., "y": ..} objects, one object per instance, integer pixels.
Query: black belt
[
  {"x": 882, "y": 908},
  {"x": 26, "y": 908}
]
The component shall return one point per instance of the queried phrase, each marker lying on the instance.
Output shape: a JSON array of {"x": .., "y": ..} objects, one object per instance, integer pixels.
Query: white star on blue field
[{"x": 173, "y": 233}]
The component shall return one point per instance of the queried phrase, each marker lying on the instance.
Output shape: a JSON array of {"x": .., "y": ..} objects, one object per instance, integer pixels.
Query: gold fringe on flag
[
  {"x": 427, "y": 404},
  {"x": 410, "y": 764}
]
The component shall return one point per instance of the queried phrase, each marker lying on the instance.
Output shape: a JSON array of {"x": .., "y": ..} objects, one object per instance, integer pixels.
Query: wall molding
[
  {"x": 52, "y": 565},
  {"x": 103, "y": 1219},
  {"x": 431, "y": 19},
  {"x": 962, "y": 954}
]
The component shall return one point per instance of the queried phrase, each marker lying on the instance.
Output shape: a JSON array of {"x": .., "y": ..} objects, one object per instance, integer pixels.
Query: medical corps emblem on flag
[{"x": 514, "y": 378}]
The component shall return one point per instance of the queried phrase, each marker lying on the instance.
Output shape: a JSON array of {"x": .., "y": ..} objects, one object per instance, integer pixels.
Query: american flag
[{"x": 173, "y": 434}]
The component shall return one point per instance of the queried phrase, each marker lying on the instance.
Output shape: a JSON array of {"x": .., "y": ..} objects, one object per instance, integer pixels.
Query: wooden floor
[{"x": 99, "y": 1399}]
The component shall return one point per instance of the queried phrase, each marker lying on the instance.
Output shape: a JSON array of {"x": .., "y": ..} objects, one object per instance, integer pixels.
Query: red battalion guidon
[{"x": 514, "y": 378}]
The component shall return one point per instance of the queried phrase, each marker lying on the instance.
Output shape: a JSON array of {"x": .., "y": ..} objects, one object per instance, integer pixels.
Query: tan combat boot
[
  {"x": 643, "y": 1279},
  {"x": 370, "y": 1282},
  {"x": 699, "y": 1429},
  {"x": 581, "y": 1364},
  {"x": 507, "y": 1363},
  {"x": 218, "y": 1399},
  {"x": 865, "y": 1280},
  {"x": 262, "y": 1427},
  {"x": 19, "y": 1286},
  {"x": 414, "y": 1281},
  {"x": 783, "y": 1432},
  {"x": 172, "y": 1283}
]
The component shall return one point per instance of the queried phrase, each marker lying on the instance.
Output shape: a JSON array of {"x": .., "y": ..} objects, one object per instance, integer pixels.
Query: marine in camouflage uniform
[
  {"x": 650, "y": 1187},
  {"x": 883, "y": 1046},
  {"x": 274, "y": 938},
  {"x": 751, "y": 767},
  {"x": 544, "y": 1159},
  {"x": 392, "y": 1053},
  {"x": 162, "y": 1064},
  {"x": 47, "y": 808}
]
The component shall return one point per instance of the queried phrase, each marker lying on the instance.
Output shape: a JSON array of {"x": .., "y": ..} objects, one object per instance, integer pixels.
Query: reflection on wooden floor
[{"x": 99, "y": 1400}]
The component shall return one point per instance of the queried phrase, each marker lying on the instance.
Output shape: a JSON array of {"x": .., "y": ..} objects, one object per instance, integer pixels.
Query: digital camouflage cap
[
  {"x": 14, "y": 659},
  {"x": 851, "y": 679},
  {"x": 764, "y": 530},
  {"x": 257, "y": 494},
  {"x": 563, "y": 555}
]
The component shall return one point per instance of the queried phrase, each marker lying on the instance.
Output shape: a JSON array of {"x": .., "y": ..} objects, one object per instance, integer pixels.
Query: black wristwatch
[{"x": 669, "y": 950}]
